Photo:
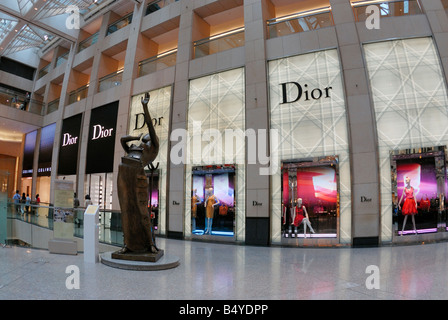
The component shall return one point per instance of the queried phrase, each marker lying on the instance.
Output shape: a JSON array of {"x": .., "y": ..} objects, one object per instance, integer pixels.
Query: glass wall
[
  {"x": 159, "y": 106},
  {"x": 307, "y": 109},
  {"x": 411, "y": 108},
  {"x": 215, "y": 165}
]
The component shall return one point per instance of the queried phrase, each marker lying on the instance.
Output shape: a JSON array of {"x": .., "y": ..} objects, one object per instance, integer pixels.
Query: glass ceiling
[{"x": 18, "y": 27}]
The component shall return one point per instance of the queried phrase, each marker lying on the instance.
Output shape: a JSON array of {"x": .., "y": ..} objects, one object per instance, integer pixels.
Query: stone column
[{"x": 365, "y": 184}]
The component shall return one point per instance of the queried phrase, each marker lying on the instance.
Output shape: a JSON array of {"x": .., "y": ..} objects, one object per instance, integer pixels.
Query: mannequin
[
  {"x": 210, "y": 204},
  {"x": 194, "y": 208},
  {"x": 300, "y": 218},
  {"x": 409, "y": 205}
]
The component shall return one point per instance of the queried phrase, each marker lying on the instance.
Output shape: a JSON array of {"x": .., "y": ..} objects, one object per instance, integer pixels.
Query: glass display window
[
  {"x": 213, "y": 200},
  {"x": 310, "y": 198},
  {"x": 419, "y": 183}
]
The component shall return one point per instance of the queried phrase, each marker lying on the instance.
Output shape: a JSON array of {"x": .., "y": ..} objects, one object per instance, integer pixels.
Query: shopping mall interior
[{"x": 305, "y": 134}]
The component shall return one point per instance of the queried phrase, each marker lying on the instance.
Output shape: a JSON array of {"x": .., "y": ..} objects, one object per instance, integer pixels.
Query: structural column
[
  {"x": 176, "y": 192},
  {"x": 365, "y": 184},
  {"x": 257, "y": 183}
]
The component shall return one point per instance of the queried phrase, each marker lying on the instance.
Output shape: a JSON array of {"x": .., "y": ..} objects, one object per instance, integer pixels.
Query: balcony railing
[
  {"x": 218, "y": 43},
  {"x": 78, "y": 94},
  {"x": 42, "y": 72},
  {"x": 156, "y": 63},
  {"x": 84, "y": 44},
  {"x": 110, "y": 81},
  {"x": 157, "y": 5},
  {"x": 119, "y": 24},
  {"x": 61, "y": 59},
  {"x": 387, "y": 8},
  {"x": 300, "y": 22},
  {"x": 52, "y": 106},
  {"x": 42, "y": 215},
  {"x": 19, "y": 101}
]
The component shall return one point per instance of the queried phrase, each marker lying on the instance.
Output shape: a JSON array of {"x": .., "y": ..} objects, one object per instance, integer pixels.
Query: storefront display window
[
  {"x": 310, "y": 200},
  {"x": 419, "y": 178},
  {"x": 213, "y": 200}
]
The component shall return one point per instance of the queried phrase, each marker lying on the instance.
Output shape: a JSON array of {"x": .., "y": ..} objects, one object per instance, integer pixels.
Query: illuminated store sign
[
  {"x": 28, "y": 154},
  {"x": 101, "y": 143},
  {"x": 46, "y": 150},
  {"x": 69, "y": 146}
]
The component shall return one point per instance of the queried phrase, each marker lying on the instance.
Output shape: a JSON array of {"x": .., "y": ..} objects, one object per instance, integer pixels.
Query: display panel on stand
[
  {"x": 213, "y": 200},
  {"x": 310, "y": 198}
]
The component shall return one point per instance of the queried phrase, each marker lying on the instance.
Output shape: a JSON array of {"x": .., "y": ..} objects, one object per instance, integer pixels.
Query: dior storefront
[
  {"x": 411, "y": 108},
  {"x": 310, "y": 190}
]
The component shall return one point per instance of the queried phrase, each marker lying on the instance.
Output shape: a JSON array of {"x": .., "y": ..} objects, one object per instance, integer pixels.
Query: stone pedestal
[{"x": 145, "y": 256}]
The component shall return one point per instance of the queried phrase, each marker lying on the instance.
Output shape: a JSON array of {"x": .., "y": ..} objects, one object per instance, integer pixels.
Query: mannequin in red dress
[
  {"x": 301, "y": 216},
  {"x": 409, "y": 205}
]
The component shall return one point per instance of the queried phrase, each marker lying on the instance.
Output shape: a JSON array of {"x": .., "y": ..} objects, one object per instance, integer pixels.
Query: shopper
[
  {"x": 37, "y": 201},
  {"x": 16, "y": 199},
  {"x": 27, "y": 203},
  {"x": 22, "y": 201},
  {"x": 87, "y": 201},
  {"x": 75, "y": 200}
]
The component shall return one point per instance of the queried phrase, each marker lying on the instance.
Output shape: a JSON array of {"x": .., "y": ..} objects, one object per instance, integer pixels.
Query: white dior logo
[
  {"x": 69, "y": 140},
  {"x": 100, "y": 132}
]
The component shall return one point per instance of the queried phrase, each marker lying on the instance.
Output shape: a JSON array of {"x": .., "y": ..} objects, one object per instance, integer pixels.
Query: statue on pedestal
[{"x": 133, "y": 194}]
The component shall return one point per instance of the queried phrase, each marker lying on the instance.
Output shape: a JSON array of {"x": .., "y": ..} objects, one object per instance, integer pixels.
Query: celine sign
[{"x": 302, "y": 92}]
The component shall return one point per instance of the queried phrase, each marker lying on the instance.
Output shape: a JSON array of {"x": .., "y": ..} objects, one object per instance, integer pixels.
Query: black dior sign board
[
  {"x": 69, "y": 145},
  {"x": 46, "y": 150},
  {"x": 101, "y": 143}
]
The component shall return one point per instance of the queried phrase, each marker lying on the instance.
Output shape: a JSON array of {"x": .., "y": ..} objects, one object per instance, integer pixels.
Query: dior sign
[
  {"x": 100, "y": 132},
  {"x": 298, "y": 91},
  {"x": 68, "y": 140}
]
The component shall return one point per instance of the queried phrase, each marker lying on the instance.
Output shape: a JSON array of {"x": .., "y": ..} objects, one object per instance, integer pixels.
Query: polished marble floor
[{"x": 211, "y": 271}]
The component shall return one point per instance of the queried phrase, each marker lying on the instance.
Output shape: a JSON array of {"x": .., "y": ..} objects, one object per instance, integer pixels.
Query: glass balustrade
[
  {"x": 386, "y": 8},
  {"x": 78, "y": 94},
  {"x": 119, "y": 24},
  {"x": 44, "y": 71},
  {"x": 110, "y": 230},
  {"x": 52, "y": 106},
  {"x": 19, "y": 101},
  {"x": 84, "y": 44},
  {"x": 157, "y": 5},
  {"x": 218, "y": 43},
  {"x": 156, "y": 63},
  {"x": 110, "y": 81},
  {"x": 61, "y": 59},
  {"x": 300, "y": 22}
]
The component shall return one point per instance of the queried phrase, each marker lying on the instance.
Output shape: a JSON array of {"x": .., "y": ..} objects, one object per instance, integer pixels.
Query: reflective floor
[{"x": 209, "y": 271}]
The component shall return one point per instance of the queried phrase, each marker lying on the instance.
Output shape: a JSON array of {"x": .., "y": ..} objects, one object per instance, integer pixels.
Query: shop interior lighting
[{"x": 303, "y": 14}]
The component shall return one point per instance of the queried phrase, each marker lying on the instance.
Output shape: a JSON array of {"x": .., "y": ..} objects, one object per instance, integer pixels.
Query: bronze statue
[{"x": 133, "y": 192}]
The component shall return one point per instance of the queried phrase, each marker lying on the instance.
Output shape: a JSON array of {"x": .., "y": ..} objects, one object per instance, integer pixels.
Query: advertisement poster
[{"x": 63, "y": 210}]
